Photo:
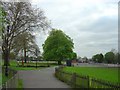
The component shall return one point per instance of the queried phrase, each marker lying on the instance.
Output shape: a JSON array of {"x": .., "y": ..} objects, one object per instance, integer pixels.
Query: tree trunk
[
  {"x": 6, "y": 61},
  {"x": 6, "y": 67},
  {"x": 25, "y": 55},
  {"x": 59, "y": 63},
  {"x": 6, "y": 55}
]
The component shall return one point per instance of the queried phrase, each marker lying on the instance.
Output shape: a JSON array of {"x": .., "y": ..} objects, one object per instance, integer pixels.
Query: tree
[
  {"x": 116, "y": 58},
  {"x": 95, "y": 58},
  {"x": 24, "y": 42},
  {"x": 109, "y": 57},
  {"x": 2, "y": 25},
  {"x": 101, "y": 58},
  {"x": 86, "y": 59},
  {"x": 20, "y": 17},
  {"x": 12, "y": 56},
  {"x": 58, "y": 46},
  {"x": 98, "y": 58},
  {"x": 74, "y": 55},
  {"x": 116, "y": 55}
]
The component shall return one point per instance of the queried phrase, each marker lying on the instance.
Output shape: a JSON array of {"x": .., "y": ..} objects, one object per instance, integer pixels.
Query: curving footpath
[{"x": 43, "y": 78}]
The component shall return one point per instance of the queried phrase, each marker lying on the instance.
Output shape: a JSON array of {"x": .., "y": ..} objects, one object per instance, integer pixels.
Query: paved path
[{"x": 43, "y": 78}]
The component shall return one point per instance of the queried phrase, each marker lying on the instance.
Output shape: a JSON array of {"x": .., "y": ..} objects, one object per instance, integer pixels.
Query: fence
[
  {"x": 81, "y": 81},
  {"x": 96, "y": 83},
  {"x": 13, "y": 81}
]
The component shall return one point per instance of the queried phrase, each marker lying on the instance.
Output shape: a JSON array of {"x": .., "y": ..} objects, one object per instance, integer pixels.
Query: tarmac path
[{"x": 43, "y": 78}]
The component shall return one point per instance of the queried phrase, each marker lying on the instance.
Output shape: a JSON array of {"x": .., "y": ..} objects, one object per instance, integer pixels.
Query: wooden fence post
[
  {"x": 88, "y": 81},
  {"x": 73, "y": 80}
]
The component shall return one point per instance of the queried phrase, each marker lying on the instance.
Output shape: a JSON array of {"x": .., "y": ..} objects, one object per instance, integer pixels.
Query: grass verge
[
  {"x": 107, "y": 74},
  {"x": 20, "y": 84}
]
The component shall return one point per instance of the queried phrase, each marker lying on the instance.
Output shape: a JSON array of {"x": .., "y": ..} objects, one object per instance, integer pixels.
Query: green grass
[
  {"x": 24, "y": 68},
  {"x": 107, "y": 74},
  {"x": 0, "y": 78},
  {"x": 20, "y": 84},
  {"x": 4, "y": 78},
  {"x": 13, "y": 65},
  {"x": 38, "y": 64}
]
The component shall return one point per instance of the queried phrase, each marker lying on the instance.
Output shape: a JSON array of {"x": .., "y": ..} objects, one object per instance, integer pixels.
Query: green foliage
[
  {"x": 98, "y": 58},
  {"x": 117, "y": 58},
  {"x": 20, "y": 84},
  {"x": 107, "y": 74},
  {"x": 109, "y": 57},
  {"x": 74, "y": 55},
  {"x": 58, "y": 46},
  {"x": 13, "y": 65},
  {"x": 32, "y": 65}
]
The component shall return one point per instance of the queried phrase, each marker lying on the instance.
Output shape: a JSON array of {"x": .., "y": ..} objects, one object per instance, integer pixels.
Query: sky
[{"x": 92, "y": 24}]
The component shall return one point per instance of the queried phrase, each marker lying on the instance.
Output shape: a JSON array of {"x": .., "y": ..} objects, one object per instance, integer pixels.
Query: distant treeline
[{"x": 109, "y": 57}]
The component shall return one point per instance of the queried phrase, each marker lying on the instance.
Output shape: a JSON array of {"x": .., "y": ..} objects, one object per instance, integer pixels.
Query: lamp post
[{"x": 36, "y": 53}]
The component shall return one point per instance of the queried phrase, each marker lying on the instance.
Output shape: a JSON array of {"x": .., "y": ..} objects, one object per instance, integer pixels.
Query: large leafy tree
[{"x": 58, "y": 46}]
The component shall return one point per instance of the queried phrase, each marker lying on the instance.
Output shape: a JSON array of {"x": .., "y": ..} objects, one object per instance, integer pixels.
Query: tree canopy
[
  {"x": 25, "y": 42},
  {"x": 109, "y": 57},
  {"x": 58, "y": 46},
  {"x": 20, "y": 17},
  {"x": 98, "y": 58}
]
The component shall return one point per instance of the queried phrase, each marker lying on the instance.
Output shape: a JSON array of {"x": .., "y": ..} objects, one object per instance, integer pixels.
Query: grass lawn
[
  {"x": 107, "y": 74},
  {"x": 29, "y": 65},
  {"x": 13, "y": 65},
  {"x": 4, "y": 78}
]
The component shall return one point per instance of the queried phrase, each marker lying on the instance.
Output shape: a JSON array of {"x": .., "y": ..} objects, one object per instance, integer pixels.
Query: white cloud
[{"x": 91, "y": 23}]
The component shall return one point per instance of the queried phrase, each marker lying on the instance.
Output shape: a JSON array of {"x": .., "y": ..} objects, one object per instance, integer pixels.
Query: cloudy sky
[{"x": 92, "y": 24}]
